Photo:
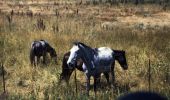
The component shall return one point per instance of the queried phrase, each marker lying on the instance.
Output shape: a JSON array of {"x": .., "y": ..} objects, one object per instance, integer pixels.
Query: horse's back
[
  {"x": 33, "y": 44},
  {"x": 44, "y": 43},
  {"x": 105, "y": 52},
  {"x": 38, "y": 44},
  {"x": 37, "y": 47},
  {"x": 104, "y": 56},
  {"x": 104, "y": 60}
]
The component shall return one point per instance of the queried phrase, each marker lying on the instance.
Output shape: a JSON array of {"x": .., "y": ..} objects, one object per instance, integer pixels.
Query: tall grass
[{"x": 25, "y": 82}]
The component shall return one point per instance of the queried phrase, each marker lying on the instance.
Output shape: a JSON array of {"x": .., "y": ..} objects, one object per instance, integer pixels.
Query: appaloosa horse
[
  {"x": 66, "y": 72},
  {"x": 41, "y": 48},
  {"x": 95, "y": 62}
]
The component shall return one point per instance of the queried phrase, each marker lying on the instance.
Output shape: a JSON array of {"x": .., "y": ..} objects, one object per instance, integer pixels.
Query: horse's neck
[
  {"x": 49, "y": 49},
  {"x": 88, "y": 53},
  {"x": 88, "y": 58},
  {"x": 117, "y": 53}
]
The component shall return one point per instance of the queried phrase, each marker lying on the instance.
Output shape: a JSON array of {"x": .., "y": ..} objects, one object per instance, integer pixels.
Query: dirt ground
[{"x": 151, "y": 16}]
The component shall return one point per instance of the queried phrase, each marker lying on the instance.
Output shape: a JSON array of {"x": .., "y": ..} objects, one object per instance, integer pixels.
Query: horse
[
  {"x": 66, "y": 72},
  {"x": 95, "y": 62},
  {"x": 41, "y": 48}
]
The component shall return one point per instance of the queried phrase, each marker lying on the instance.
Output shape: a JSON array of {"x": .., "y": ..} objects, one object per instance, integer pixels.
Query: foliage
[{"x": 41, "y": 82}]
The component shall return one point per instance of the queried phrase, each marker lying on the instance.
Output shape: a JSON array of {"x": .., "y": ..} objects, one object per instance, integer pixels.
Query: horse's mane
[
  {"x": 46, "y": 42},
  {"x": 77, "y": 43},
  {"x": 42, "y": 40},
  {"x": 118, "y": 52}
]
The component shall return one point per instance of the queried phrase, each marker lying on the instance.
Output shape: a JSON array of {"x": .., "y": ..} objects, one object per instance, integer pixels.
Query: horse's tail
[
  {"x": 33, "y": 44},
  {"x": 32, "y": 55}
]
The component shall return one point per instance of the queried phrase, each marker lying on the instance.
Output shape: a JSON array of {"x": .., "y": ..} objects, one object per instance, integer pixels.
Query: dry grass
[{"x": 25, "y": 82}]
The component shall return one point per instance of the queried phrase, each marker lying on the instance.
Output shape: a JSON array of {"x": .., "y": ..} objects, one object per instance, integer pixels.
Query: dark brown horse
[
  {"x": 66, "y": 72},
  {"x": 41, "y": 48}
]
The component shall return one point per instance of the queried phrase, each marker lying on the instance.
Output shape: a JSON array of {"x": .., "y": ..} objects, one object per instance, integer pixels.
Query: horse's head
[
  {"x": 53, "y": 54},
  {"x": 65, "y": 75},
  {"x": 66, "y": 72},
  {"x": 74, "y": 55},
  {"x": 121, "y": 58}
]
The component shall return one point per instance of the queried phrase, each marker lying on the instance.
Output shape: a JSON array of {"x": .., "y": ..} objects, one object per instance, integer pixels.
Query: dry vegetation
[{"x": 142, "y": 31}]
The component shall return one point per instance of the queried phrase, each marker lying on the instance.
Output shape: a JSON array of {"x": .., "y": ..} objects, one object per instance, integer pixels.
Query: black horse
[
  {"x": 41, "y": 48},
  {"x": 66, "y": 72}
]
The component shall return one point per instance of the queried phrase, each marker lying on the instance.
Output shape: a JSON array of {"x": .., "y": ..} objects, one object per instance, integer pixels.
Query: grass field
[{"x": 143, "y": 32}]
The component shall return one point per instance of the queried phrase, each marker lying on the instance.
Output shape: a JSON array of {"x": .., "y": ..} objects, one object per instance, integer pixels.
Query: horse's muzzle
[
  {"x": 71, "y": 65},
  {"x": 125, "y": 67}
]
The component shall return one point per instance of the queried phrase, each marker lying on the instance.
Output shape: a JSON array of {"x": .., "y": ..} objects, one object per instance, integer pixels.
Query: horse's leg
[
  {"x": 95, "y": 85},
  {"x": 107, "y": 77},
  {"x": 44, "y": 58},
  {"x": 32, "y": 58},
  {"x": 113, "y": 75},
  {"x": 98, "y": 81},
  {"x": 34, "y": 61},
  {"x": 96, "y": 78},
  {"x": 87, "y": 84},
  {"x": 38, "y": 60}
]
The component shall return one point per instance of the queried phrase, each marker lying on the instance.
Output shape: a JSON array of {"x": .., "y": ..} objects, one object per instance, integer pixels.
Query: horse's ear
[
  {"x": 78, "y": 44},
  {"x": 75, "y": 42}
]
